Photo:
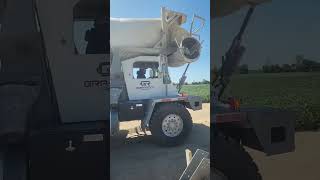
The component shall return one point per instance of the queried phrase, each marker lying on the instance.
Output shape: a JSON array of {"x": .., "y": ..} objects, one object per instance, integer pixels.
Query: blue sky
[
  {"x": 277, "y": 32},
  {"x": 151, "y": 9}
]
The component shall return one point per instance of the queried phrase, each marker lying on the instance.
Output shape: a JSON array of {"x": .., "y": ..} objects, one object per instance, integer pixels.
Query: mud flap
[
  {"x": 198, "y": 168},
  {"x": 274, "y": 130},
  {"x": 194, "y": 103}
]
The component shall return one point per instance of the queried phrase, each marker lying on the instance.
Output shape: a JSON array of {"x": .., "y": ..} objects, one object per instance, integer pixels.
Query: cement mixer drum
[
  {"x": 189, "y": 52},
  {"x": 138, "y": 33},
  {"x": 154, "y": 36}
]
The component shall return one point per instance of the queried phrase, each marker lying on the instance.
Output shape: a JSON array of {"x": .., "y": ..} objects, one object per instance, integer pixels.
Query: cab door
[
  {"x": 143, "y": 76},
  {"x": 80, "y": 79}
]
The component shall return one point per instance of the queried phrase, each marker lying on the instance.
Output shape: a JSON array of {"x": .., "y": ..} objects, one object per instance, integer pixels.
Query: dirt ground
[
  {"x": 303, "y": 163},
  {"x": 137, "y": 158}
]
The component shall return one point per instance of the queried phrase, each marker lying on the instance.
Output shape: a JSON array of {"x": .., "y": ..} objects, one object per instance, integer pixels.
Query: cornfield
[{"x": 299, "y": 92}]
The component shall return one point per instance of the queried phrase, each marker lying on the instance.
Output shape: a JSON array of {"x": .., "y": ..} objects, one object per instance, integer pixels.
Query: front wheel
[{"x": 170, "y": 124}]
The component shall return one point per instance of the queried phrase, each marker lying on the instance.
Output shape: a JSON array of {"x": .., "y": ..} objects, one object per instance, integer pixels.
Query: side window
[
  {"x": 146, "y": 70},
  {"x": 79, "y": 33},
  {"x": 90, "y": 28}
]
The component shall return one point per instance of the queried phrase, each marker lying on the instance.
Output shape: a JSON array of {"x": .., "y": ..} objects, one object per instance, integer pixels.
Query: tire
[
  {"x": 232, "y": 160},
  {"x": 164, "y": 111}
]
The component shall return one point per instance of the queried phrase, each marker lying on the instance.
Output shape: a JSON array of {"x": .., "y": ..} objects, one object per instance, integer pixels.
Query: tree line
[
  {"x": 301, "y": 65},
  {"x": 204, "y": 81}
]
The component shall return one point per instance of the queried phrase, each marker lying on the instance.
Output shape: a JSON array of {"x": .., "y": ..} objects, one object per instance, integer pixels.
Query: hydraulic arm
[{"x": 231, "y": 60}]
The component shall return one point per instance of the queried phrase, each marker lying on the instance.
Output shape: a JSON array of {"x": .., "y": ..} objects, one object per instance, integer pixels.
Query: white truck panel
[{"x": 142, "y": 88}]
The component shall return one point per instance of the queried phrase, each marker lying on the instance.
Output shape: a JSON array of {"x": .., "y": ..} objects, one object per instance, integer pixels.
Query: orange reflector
[
  {"x": 183, "y": 94},
  {"x": 237, "y": 104},
  {"x": 234, "y": 104}
]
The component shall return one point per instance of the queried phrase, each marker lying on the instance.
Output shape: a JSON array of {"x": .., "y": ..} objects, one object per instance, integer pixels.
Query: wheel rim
[{"x": 172, "y": 125}]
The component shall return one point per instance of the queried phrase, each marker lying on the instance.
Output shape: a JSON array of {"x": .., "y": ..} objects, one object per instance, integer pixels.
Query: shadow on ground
[
  {"x": 303, "y": 163},
  {"x": 139, "y": 158}
]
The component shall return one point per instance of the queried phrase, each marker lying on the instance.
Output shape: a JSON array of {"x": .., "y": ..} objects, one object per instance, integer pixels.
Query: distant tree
[
  {"x": 268, "y": 61},
  {"x": 299, "y": 59},
  {"x": 311, "y": 65},
  {"x": 301, "y": 67},
  {"x": 293, "y": 67},
  {"x": 306, "y": 65},
  {"x": 316, "y": 67},
  {"x": 278, "y": 68},
  {"x": 243, "y": 69},
  {"x": 272, "y": 68},
  {"x": 286, "y": 68},
  {"x": 204, "y": 81},
  {"x": 275, "y": 68},
  {"x": 266, "y": 68}
]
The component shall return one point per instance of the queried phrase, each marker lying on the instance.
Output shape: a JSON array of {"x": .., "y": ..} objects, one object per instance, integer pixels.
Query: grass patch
[
  {"x": 294, "y": 91},
  {"x": 202, "y": 90}
]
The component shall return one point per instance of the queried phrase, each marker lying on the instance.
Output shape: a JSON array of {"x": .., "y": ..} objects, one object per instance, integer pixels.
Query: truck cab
[{"x": 156, "y": 81}]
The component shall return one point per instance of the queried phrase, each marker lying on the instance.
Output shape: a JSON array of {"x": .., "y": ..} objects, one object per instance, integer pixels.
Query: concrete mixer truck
[{"x": 140, "y": 84}]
